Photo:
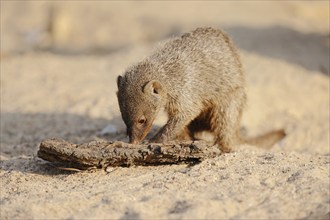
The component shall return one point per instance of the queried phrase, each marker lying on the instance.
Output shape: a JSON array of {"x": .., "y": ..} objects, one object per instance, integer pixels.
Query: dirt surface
[{"x": 59, "y": 63}]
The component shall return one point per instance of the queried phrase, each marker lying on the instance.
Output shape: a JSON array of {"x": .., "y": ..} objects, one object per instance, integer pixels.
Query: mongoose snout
[{"x": 198, "y": 79}]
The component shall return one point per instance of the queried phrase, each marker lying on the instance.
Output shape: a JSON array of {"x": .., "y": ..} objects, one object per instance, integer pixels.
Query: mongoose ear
[
  {"x": 119, "y": 79},
  {"x": 153, "y": 86}
]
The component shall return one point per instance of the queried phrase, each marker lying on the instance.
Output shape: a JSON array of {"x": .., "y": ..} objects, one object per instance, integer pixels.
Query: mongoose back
[{"x": 199, "y": 81}]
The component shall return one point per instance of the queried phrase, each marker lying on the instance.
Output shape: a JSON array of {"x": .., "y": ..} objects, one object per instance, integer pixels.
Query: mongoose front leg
[{"x": 175, "y": 128}]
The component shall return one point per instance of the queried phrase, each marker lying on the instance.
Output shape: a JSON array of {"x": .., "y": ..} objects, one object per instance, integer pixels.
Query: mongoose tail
[{"x": 267, "y": 140}]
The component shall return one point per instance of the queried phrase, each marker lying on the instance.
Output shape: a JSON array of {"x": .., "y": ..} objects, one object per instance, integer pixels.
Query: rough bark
[{"x": 104, "y": 154}]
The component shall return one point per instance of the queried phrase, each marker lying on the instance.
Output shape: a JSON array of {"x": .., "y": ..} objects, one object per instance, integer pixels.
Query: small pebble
[{"x": 109, "y": 129}]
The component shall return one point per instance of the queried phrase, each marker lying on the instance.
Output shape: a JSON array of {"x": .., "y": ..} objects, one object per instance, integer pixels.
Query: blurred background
[{"x": 102, "y": 27}]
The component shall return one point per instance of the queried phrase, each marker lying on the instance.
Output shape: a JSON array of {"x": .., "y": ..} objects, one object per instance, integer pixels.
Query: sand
[{"x": 58, "y": 79}]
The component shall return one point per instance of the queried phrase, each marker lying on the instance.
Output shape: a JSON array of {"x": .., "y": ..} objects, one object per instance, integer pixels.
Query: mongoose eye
[{"x": 142, "y": 120}]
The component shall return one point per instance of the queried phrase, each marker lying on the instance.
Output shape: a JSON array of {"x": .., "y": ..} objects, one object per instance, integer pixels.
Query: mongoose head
[{"x": 139, "y": 102}]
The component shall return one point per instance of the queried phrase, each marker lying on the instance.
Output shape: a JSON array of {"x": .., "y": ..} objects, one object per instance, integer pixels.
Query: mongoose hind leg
[{"x": 225, "y": 121}]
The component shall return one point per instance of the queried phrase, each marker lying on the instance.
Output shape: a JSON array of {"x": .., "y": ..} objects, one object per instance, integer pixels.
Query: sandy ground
[{"x": 59, "y": 63}]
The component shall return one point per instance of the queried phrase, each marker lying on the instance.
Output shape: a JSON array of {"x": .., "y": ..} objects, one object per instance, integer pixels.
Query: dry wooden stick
[{"x": 104, "y": 154}]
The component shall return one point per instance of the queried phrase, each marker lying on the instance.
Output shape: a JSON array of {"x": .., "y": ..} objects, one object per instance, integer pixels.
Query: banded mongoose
[{"x": 199, "y": 81}]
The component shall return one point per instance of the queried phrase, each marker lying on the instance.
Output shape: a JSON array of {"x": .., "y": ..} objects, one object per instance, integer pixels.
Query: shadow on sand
[{"x": 308, "y": 50}]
